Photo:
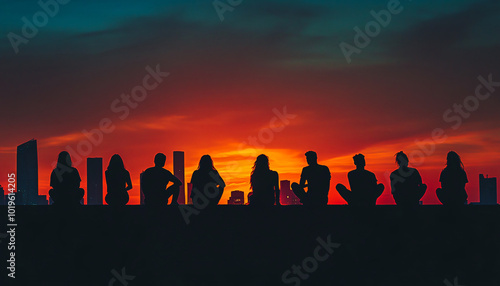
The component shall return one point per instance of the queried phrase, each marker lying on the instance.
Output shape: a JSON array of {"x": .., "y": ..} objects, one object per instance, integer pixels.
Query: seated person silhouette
[
  {"x": 264, "y": 184},
  {"x": 155, "y": 181},
  {"x": 65, "y": 182},
  {"x": 453, "y": 179},
  {"x": 118, "y": 182},
  {"x": 207, "y": 181},
  {"x": 406, "y": 183},
  {"x": 364, "y": 189},
  {"x": 317, "y": 180}
]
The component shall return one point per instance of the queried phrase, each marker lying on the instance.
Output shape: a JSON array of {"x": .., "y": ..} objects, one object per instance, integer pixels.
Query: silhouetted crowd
[{"x": 406, "y": 183}]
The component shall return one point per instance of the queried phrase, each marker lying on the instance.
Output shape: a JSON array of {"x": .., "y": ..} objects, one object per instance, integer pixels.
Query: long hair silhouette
[
  {"x": 453, "y": 160},
  {"x": 116, "y": 163},
  {"x": 64, "y": 160},
  {"x": 206, "y": 163},
  {"x": 260, "y": 166}
]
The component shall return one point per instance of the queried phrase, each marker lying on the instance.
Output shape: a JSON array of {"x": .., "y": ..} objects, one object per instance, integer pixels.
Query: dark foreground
[{"x": 237, "y": 245}]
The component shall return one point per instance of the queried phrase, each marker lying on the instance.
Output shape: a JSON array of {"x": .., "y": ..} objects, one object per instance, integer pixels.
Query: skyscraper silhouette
[
  {"x": 94, "y": 181},
  {"x": 287, "y": 197},
  {"x": 27, "y": 173},
  {"x": 2, "y": 196},
  {"x": 236, "y": 198},
  {"x": 179, "y": 173},
  {"x": 189, "y": 190},
  {"x": 487, "y": 190},
  {"x": 140, "y": 189}
]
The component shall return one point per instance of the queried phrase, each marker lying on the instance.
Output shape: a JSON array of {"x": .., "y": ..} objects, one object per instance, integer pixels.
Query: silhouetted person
[
  {"x": 207, "y": 181},
  {"x": 364, "y": 188},
  {"x": 118, "y": 182},
  {"x": 406, "y": 183},
  {"x": 264, "y": 183},
  {"x": 65, "y": 182},
  {"x": 317, "y": 180},
  {"x": 155, "y": 181},
  {"x": 453, "y": 179}
]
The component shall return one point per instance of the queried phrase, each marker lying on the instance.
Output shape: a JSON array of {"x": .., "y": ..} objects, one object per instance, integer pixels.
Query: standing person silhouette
[
  {"x": 364, "y": 188},
  {"x": 264, "y": 184},
  {"x": 118, "y": 182},
  {"x": 317, "y": 180},
  {"x": 206, "y": 179},
  {"x": 406, "y": 183},
  {"x": 65, "y": 182},
  {"x": 453, "y": 179},
  {"x": 155, "y": 181}
]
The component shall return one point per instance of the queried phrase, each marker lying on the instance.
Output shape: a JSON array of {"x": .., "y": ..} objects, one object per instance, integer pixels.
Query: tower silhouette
[
  {"x": 94, "y": 181},
  {"x": 179, "y": 173},
  {"x": 487, "y": 190},
  {"x": 27, "y": 173}
]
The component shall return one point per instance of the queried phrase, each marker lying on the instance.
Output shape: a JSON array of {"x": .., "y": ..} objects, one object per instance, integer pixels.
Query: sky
[{"x": 265, "y": 77}]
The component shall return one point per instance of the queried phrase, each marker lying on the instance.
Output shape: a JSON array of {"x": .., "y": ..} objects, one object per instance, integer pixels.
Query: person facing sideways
[
  {"x": 207, "y": 181},
  {"x": 118, "y": 182},
  {"x": 453, "y": 179},
  {"x": 264, "y": 184},
  {"x": 317, "y": 180},
  {"x": 406, "y": 183},
  {"x": 65, "y": 182},
  {"x": 364, "y": 188},
  {"x": 155, "y": 181}
]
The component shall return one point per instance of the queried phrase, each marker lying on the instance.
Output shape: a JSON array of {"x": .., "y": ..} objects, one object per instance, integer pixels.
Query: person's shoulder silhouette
[
  {"x": 118, "y": 182},
  {"x": 453, "y": 179},
  {"x": 264, "y": 183},
  {"x": 65, "y": 182},
  {"x": 155, "y": 181}
]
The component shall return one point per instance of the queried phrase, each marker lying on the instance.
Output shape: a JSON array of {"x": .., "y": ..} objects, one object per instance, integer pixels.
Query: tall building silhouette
[
  {"x": 179, "y": 173},
  {"x": 236, "y": 198},
  {"x": 27, "y": 173},
  {"x": 140, "y": 189},
  {"x": 189, "y": 190},
  {"x": 94, "y": 181},
  {"x": 287, "y": 197},
  {"x": 2, "y": 197},
  {"x": 487, "y": 190}
]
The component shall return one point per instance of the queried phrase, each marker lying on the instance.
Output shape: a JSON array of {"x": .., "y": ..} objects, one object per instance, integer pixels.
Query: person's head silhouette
[
  {"x": 116, "y": 163},
  {"x": 64, "y": 160},
  {"x": 359, "y": 161},
  {"x": 453, "y": 160},
  {"x": 402, "y": 159},
  {"x": 206, "y": 163},
  {"x": 160, "y": 159},
  {"x": 262, "y": 163},
  {"x": 312, "y": 158}
]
